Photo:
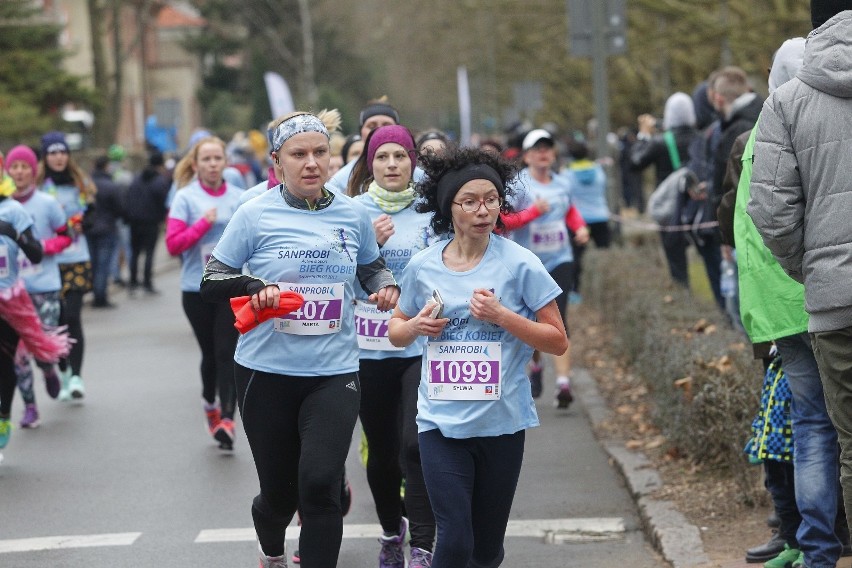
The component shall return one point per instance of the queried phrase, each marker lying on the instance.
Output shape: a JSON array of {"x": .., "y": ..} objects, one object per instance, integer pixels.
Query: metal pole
[{"x": 601, "y": 90}]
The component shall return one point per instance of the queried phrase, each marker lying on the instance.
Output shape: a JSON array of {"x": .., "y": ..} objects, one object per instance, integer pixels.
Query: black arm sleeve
[
  {"x": 221, "y": 282},
  {"x": 30, "y": 246},
  {"x": 375, "y": 276}
]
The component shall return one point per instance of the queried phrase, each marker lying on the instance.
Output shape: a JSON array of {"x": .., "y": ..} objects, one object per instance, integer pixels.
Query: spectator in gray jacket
[{"x": 801, "y": 200}]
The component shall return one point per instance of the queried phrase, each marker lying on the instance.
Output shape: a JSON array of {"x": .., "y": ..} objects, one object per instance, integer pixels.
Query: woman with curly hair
[
  {"x": 390, "y": 376},
  {"x": 484, "y": 303},
  {"x": 60, "y": 177}
]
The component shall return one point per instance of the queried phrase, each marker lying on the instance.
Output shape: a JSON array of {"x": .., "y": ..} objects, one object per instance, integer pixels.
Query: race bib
[
  {"x": 548, "y": 237},
  {"x": 463, "y": 370},
  {"x": 27, "y": 268},
  {"x": 319, "y": 315},
  {"x": 4, "y": 261},
  {"x": 371, "y": 327},
  {"x": 206, "y": 252}
]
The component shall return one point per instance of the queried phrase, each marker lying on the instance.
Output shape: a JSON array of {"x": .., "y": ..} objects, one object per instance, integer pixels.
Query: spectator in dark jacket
[
  {"x": 651, "y": 148},
  {"x": 102, "y": 229},
  {"x": 146, "y": 210}
]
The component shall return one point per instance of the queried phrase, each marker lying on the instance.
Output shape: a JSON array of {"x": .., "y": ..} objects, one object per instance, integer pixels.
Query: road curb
[{"x": 670, "y": 532}]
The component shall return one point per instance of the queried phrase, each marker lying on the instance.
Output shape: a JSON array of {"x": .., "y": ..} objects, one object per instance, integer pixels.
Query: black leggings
[
  {"x": 564, "y": 276},
  {"x": 72, "y": 306},
  {"x": 601, "y": 236},
  {"x": 388, "y": 413},
  {"x": 213, "y": 325},
  {"x": 8, "y": 379},
  {"x": 143, "y": 240},
  {"x": 299, "y": 430}
]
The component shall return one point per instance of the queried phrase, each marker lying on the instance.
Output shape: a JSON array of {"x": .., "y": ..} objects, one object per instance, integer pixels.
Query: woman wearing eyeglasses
[
  {"x": 495, "y": 304},
  {"x": 390, "y": 376}
]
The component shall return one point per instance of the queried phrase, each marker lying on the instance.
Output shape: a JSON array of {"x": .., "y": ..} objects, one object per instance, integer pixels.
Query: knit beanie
[
  {"x": 387, "y": 134},
  {"x": 53, "y": 141},
  {"x": 23, "y": 154},
  {"x": 824, "y": 10},
  {"x": 375, "y": 109}
]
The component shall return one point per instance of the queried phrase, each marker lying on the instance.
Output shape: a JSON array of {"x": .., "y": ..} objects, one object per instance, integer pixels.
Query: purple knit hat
[
  {"x": 23, "y": 154},
  {"x": 391, "y": 133}
]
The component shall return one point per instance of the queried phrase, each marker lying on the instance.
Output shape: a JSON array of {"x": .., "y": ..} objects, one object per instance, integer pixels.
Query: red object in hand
[{"x": 248, "y": 318}]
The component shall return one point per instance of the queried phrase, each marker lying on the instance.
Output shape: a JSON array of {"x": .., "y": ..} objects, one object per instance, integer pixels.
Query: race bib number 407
[
  {"x": 320, "y": 314},
  {"x": 463, "y": 370}
]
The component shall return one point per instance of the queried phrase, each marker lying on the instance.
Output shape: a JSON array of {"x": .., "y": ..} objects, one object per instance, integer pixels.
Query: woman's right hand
[
  {"x": 210, "y": 215},
  {"x": 383, "y": 225},
  {"x": 543, "y": 205},
  {"x": 424, "y": 324},
  {"x": 267, "y": 297}
]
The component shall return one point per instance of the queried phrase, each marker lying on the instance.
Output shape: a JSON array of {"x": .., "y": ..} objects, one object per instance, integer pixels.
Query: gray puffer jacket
[{"x": 801, "y": 186}]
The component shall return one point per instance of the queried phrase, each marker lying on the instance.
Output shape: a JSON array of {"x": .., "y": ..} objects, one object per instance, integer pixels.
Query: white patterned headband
[{"x": 296, "y": 125}]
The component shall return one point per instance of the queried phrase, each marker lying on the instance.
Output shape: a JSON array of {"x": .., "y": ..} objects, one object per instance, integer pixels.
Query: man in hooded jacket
[{"x": 801, "y": 199}]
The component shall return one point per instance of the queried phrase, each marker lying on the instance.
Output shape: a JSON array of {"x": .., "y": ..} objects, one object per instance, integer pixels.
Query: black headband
[
  {"x": 378, "y": 109},
  {"x": 452, "y": 181}
]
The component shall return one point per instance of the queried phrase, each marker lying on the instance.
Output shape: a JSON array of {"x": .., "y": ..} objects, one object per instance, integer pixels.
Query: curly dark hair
[{"x": 436, "y": 166}]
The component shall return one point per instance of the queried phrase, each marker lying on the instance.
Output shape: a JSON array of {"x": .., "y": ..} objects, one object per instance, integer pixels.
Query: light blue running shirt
[
  {"x": 588, "y": 190},
  {"x": 524, "y": 286},
  {"x": 189, "y": 206},
  {"x": 13, "y": 213},
  {"x": 47, "y": 216},
  {"x": 254, "y": 191},
  {"x": 412, "y": 234},
  {"x": 72, "y": 203},
  {"x": 317, "y": 252},
  {"x": 546, "y": 236}
]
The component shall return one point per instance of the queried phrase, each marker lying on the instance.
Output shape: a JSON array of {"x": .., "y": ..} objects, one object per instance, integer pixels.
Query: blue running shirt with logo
[
  {"x": 316, "y": 253},
  {"x": 189, "y": 205},
  {"x": 524, "y": 286},
  {"x": 546, "y": 236},
  {"x": 13, "y": 213},
  {"x": 47, "y": 216},
  {"x": 412, "y": 234},
  {"x": 72, "y": 203}
]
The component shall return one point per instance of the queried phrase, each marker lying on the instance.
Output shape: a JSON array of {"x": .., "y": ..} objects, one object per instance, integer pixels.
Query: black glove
[{"x": 8, "y": 230}]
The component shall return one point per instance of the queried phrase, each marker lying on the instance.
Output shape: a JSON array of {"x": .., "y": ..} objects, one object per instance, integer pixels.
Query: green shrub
[{"x": 704, "y": 383}]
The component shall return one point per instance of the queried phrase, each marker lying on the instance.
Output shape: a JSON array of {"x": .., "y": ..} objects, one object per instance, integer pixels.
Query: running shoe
[
  {"x": 420, "y": 558},
  {"x": 65, "y": 386},
  {"x": 392, "y": 554},
  {"x": 272, "y": 561},
  {"x": 536, "y": 380},
  {"x": 76, "y": 388},
  {"x": 296, "y": 558},
  {"x": 5, "y": 432},
  {"x": 214, "y": 417},
  {"x": 563, "y": 396},
  {"x": 51, "y": 383},
  {"x": 30, "y": 418},
  {"x": 225, "y": 434},
  {"x": 345, "y": 495}
]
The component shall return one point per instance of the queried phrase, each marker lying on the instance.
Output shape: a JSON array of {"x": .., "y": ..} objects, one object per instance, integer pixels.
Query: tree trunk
[{"x": 103, "y": 128}]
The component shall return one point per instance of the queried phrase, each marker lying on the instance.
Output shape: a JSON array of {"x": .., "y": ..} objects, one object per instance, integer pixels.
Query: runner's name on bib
[
  {"x": 371, "y": 327},
  {"x": 463, "y": 370},
  {"x": 548, "y": 237},
  {"x": 5, "y": 269},
  {"x": 319, "y": 315}
]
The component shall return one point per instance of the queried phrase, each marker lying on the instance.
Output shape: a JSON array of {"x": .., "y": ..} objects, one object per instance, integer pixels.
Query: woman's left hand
[
  {"x": 485, "y": 306},
  {"x": 386, "y": 298},
  {"x": 582, "y": 235}
]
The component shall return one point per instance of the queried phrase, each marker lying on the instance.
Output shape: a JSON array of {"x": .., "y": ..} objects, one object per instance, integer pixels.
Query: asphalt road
[{"x": 130, "y": 477}]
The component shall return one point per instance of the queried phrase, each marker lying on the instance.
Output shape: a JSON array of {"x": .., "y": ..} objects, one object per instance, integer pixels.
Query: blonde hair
[
  {"x": 184, "y": 171},
  {"x": 84, "y": 184}
]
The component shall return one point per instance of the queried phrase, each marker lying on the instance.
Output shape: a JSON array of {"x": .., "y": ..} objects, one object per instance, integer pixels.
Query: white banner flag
[
  {"x": 464, "y": 106},
  {"x": 280, "y": 99}
]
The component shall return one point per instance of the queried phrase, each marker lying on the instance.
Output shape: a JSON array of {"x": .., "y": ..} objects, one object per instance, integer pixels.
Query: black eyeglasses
[{"x": 473, "y": 205}]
